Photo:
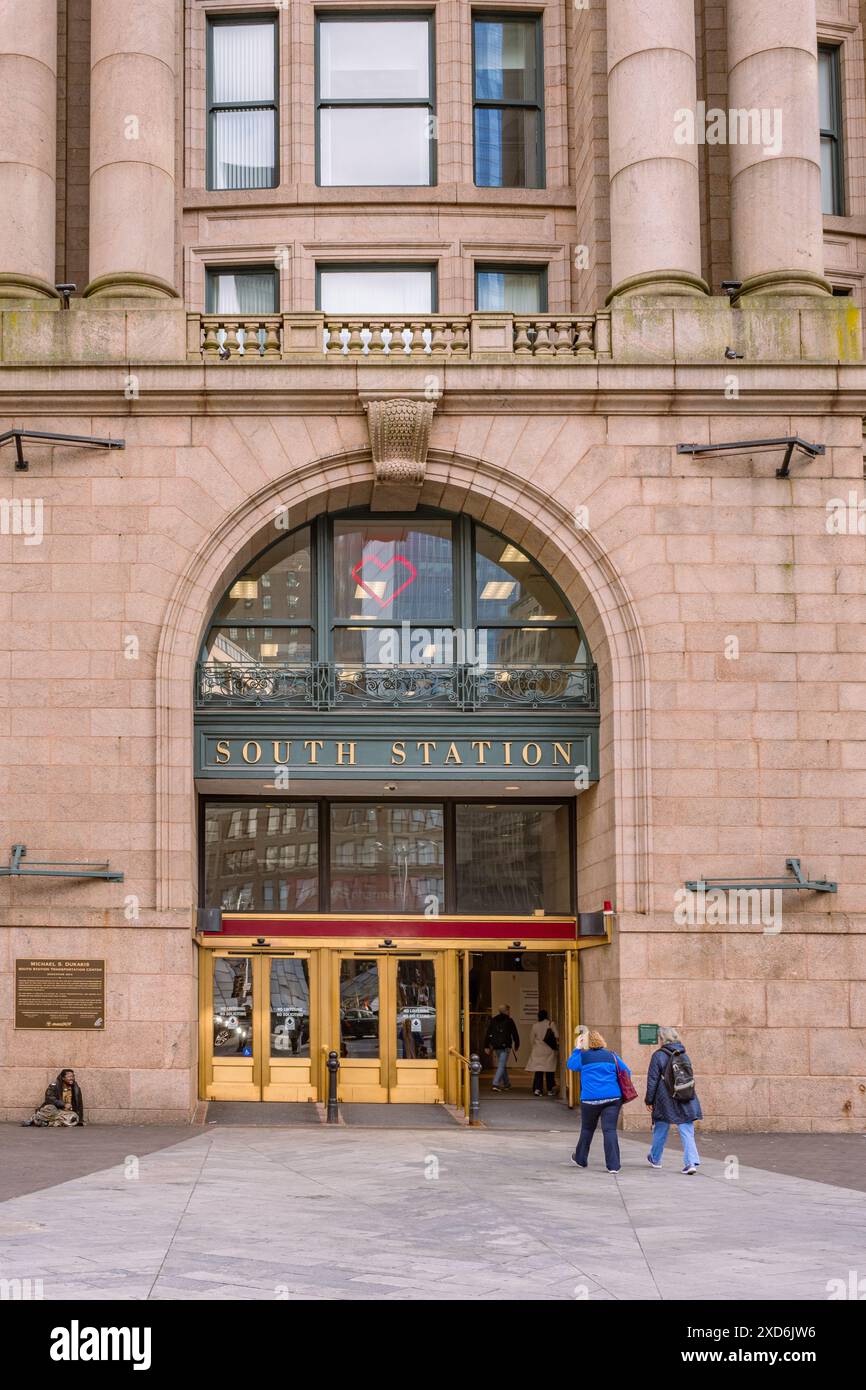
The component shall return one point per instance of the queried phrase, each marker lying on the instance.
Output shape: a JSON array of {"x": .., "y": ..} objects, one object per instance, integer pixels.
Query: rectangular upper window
[
  {"x": 242, "y": 102},
  {"x": 509, "y": 122},
  {"x": 380, "y": 290},
  {"x": 512, "y": 289},
  {"x": 830, "y": 108},
  {"x": 242, "y": 290},
  {"x": 375, "y": 100}
]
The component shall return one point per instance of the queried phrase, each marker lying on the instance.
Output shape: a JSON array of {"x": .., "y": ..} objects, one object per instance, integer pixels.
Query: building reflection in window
[
  {"x": 359, "y": 1008},
  {"x": 513, "y": 859},
  {"x": 233, "y": 1007},
  {"x": 416, "y": 1010},
  {"x": 290, "y": 1008},
  {"x": 262, "y": 857},
  {"x": 387, "y": 858}
]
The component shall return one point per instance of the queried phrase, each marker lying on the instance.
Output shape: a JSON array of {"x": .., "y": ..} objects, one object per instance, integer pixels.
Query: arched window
[{"x": 359, "y": 610}]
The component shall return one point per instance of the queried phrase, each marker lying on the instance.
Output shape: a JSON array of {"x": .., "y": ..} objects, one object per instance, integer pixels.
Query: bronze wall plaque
[{"x": 61, "y": 994}]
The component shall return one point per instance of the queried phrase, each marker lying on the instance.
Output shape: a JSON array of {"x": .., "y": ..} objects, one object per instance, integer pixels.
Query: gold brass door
[
  {"x": 385, "y": 1010},
  {"x": 261, "y": 1030}
]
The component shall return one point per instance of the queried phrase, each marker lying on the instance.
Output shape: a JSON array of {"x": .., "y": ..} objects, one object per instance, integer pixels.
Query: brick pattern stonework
[{"x": 726, "y": 617}]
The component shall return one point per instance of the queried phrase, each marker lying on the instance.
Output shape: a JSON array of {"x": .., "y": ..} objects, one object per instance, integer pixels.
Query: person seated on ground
[{"x": 62, "y": 1104}]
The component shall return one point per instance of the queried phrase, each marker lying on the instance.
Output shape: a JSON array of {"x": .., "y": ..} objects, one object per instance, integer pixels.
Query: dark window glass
[
  {"x": 531, "y": 646},
  {"x": 376, "y": 122},
  {"x": 275, "y": 587},
  {"x": 262, "y": 857},
  {"x": 513, "y": 859},
  {"x": 242, "y": 127},
  {"x": 237, "y": 646},
  {"x": 830, "y": 115},
  {"x": 393, "y": 571},
  {"x": 510, "y": 586},
  {"x": 508, "y": 108},
  {"x": 387, "y": 858}
]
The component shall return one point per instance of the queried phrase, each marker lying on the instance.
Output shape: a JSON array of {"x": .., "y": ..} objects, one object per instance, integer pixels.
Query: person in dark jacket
[
  {"x": 666, "y": 1110},
  {"x": 600, "y": 1098},
  {"x": 499, "y": 1039},
  {"x": 62, "y": 1104}
]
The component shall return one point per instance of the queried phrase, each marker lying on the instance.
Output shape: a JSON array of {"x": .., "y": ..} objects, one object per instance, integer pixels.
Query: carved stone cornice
[{"x": 399, "y": 438}]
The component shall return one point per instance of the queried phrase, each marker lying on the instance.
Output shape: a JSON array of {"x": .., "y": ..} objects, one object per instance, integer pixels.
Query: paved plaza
[{"x": 351, "y": 1212}]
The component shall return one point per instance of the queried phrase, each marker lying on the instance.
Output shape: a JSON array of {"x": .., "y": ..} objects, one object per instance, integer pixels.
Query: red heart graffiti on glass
[{"x": 412, "y": 575}]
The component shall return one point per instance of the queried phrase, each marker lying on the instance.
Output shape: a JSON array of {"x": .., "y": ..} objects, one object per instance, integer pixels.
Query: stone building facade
[{"x": 691, "y": 291}]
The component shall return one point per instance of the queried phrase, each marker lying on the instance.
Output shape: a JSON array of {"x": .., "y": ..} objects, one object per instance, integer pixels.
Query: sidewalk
[{"x": 352, "y": 1213}]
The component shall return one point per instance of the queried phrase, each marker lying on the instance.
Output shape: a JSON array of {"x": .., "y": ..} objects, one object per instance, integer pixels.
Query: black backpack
[{"x": 678, "y": 1075}]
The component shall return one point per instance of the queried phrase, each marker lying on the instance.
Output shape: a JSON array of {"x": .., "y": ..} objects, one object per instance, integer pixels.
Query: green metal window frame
[
  {"x": 504, "y": 268},
  {"x": 449, "y": 805},
  {"x": 354, "y": 267},
  {"x": 213, "y": 108},
  {"x": 378, "y": 17},
  {"x": 324, "y": 622},
  {"x": 213, "y": 271},
  {"x": 501, "y": 17},
  {"x": 832, "y": 54}
]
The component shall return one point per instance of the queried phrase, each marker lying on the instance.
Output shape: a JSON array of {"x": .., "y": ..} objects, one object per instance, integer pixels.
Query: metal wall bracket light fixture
[
  {"x": 798, "y": 883},
  {"x": 86, "y": 440},
  {"x": 56, "y": 868},
  {"x": 788, "y": 442}
]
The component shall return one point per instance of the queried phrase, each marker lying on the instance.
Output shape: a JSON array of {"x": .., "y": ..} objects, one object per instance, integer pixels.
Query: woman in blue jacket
[
  {"x": 667, "y": 1111},
  {"x": 600, "y": 1099}
]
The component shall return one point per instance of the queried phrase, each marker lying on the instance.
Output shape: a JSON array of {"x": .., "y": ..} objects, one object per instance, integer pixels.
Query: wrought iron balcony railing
[{"x": 327, "y": 686}]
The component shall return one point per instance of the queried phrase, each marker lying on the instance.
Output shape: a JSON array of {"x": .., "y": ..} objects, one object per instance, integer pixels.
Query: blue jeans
[
  {"x": 501, "y": 1077},
  {"x": 687, "y": 1135},
  {"x": 608, "y": 1113}
]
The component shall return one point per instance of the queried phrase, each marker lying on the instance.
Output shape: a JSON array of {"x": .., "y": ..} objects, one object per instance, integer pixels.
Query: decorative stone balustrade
[{"x": 339, "y": 338}]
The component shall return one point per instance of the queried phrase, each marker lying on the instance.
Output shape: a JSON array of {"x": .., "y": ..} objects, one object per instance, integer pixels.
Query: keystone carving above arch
[{"x": 399, "y": 437}]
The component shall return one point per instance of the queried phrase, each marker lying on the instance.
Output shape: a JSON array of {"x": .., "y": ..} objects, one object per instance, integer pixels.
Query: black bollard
[
  {"x": 474, "y": 1088},
  {"x": 333, "y": 1113}
]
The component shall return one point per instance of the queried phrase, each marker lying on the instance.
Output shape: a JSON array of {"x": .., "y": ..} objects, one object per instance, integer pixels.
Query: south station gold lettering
[{"x": 409, "y": 753}]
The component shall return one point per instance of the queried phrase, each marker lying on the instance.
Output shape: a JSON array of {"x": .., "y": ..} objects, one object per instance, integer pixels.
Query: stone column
[
  {"x": 775, "y": 159},
  {"x": 654, "y": 201},
  {"x": 28, "y": 148},
  {"x": 132, "y": 148}
]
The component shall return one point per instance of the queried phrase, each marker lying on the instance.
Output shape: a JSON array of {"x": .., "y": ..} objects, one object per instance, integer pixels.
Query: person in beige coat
[{"x": 543, "y": 1060}]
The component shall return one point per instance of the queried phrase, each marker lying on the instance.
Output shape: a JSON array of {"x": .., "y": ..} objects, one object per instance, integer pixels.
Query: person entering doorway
[
  {"x": 500, "y": 1038},
  {"x": 543, "y": 1058}
]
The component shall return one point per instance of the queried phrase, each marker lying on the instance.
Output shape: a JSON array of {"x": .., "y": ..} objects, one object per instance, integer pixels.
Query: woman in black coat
[{"x": 666, "y": 1110}]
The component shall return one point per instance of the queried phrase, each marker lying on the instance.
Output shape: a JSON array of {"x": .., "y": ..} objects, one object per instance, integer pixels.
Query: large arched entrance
[{"x": 394, "y": 717}]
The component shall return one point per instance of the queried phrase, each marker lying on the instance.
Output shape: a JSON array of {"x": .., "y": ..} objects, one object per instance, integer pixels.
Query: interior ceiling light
[
  {"x": 245, "y": 588},
  {"x": 375, "y": 586},
  {"x": 499, "y": 588},
  {"x": 269, "y": 649},
  {"x": 543, "y": 618},
  {"x": 512, "y": 556}
]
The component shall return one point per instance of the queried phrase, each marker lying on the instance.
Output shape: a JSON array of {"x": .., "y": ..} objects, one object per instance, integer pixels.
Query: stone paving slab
[
  {"x": 339, "y": 1213},
  {"x": 35, "y": 1158}
]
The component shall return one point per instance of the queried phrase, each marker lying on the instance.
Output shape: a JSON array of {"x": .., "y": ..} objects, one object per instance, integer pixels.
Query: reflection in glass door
[
  {"x": 389, "y": 1047},
  {"x": 235, "y": 1044},
  {"x": 289, "y": 1066},
  {"x": 262, "y": 1028},
  {"x": 415, "y": 1073},
  {"x": 358, "y": 1000}
]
